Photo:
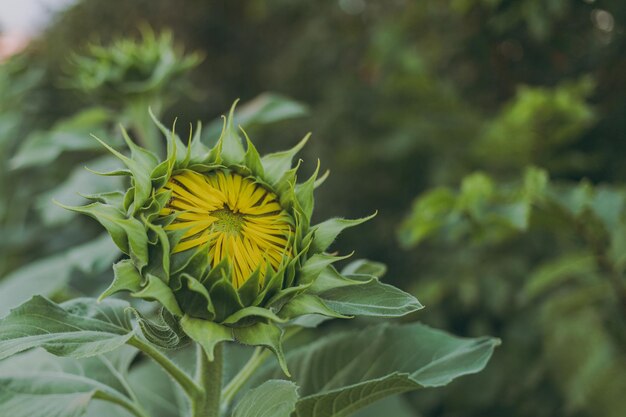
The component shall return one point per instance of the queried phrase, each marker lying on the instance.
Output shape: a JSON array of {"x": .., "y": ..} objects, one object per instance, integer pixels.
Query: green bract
[{"x": 200, "y": 300}]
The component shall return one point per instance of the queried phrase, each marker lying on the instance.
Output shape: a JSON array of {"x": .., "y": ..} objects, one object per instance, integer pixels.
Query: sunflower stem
[
  {"x": 209, "y": 377},
  {"x": 180, "y": 376}
]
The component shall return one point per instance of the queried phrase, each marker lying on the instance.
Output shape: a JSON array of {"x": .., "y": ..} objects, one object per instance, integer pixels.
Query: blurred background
[{"x": 489, "y": 134}]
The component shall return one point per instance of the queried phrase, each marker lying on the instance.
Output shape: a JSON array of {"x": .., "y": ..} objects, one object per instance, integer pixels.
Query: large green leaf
[
  {"x": 274, "y": 398},
  {"x": 44, "y": 394},
  {"x": 342, "y": 373},
  {"x": 38, "y": 384},
  {"x": 78, "y": 328}
]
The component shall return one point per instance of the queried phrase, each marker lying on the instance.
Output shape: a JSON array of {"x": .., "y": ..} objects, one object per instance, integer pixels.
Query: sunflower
[
  {"x": 222, "y": 239},
  {"x": 234, "y": 217}
]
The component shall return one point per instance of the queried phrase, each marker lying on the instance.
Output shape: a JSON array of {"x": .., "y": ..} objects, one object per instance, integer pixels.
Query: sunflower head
[
  {"x": 233, "y": 218},
  {"x": 222, "y": 238}
]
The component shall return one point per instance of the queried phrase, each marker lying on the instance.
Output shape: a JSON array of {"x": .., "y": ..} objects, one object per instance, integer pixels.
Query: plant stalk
[
  {"x": 180, "y": 376},
  {"x": 209, "y": 377}
]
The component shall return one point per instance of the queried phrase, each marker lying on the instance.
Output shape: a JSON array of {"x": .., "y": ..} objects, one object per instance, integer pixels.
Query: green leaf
[
  {"x": 431, "y": 211},
  {"x": 156, "y": 289},
  {"x": 78, "y": 328},
  {"x": 126, "y": 278},
  {"x": 304, "y": 193},
  {"x": 44, "y": 394},
  {"x": 571, "y": 266},
  {"x": 129, "y": 234},
  {"x": 108, "y": 369},
  {"x": 365, "y": 267},
  {"x": 316, "y": 264},
  {"x": 232, "y": 152},
  {"x": 276, "y": 164},
  {"x": 141, "y": 164},
  {"x": 372, "y": 298},
  {"x": 327, "y": 231},
  {"x": 356, "y": 368},
  {"x": 261, "y": 334},
  {"x": 273, "y": 398}
]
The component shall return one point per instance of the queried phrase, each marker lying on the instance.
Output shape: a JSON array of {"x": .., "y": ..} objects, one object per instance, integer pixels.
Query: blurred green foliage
[{"x": 506, "y": 118}]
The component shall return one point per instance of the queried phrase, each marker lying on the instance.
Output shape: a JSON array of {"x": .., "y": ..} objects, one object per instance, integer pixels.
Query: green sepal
[
  {"x": 114, "y": 173},
  {"x": 158, "y": 290},
  {"x": 231, "y": 147},
  {"x": 195, "y": 147},
  {"x": 225, "y": 298},
  {"x": 129, "y": 234},
  {"x": 212, "y": 275},
  {"x": 161, "y": 174},
  {"x": 250, "y": 289},
  {"x": 252, "y": 313},
  {"x": 304, "y": 194},
  {"x": 262, "y": 334},
  {"x": 194, "y": 298},
  {"x": 252, "y": 159},
  {"x": 193, "y": 262},
  {"x": 206, "y": 333},
  {"x": 126, "y": 278},
  {"x": 285, "y": 188},
  {"x": 159, "y": 253},
  {"x": 326, "y": 232},
  {"x": 141, "y": 163},
  {"x": 112, "y": 198},
  {"x": 282, "y": 297},
  {"x": 322, "y": 179},
  {"x": 273, "y": 284},
  {"x": 329, "y": 279},
  {"x": 152, "y": 209},
  {"x": 276, "y": 164},
  {"x": 316, "y": 264}
]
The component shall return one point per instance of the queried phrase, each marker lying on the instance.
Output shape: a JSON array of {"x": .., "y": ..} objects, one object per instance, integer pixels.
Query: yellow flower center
[{"x": 234, "y": 216}]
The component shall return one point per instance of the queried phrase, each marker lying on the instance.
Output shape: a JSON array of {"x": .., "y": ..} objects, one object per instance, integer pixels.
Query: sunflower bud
[{"x": 221, "y": 238}]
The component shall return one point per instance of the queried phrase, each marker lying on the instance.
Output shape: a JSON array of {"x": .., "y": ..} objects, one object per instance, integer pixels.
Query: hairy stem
[
  {"x": 209, "y": 377},
  {"x": 180, "y": 376}
]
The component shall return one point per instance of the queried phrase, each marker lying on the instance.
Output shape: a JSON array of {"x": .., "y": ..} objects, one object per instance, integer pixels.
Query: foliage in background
[{"x": 407, "y": 96}]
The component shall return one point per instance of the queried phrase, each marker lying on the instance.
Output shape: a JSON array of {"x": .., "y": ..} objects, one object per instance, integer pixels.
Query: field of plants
[{"x": 315, "y": 209}]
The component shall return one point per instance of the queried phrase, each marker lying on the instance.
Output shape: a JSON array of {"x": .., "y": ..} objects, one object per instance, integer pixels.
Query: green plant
[
  {"x": 222, "y": 240},
  {"x": 561, "y": 248}
]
